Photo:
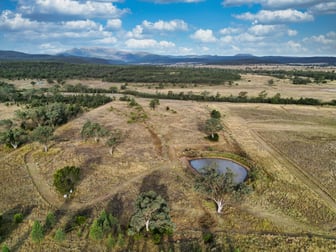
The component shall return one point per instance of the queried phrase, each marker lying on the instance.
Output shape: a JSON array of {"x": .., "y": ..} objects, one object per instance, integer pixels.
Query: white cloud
[
  {"x": 295, "y": 47},
  {"x": 227, "y": 39},
  {"x": 205, "y": 36},
  {"x": 327, "y": 39},
  {"x": 114, "y": 23},
  {"x": 229, "y": 30},
  {"x": 271, "y": 30},
  {"x": 174, "y": 1},
  {"x": 278, "y": 16},
  {"x": 275, "y": 4},
  {"x": 291, "y": 33},
  {"x": 161, "y": 25},
  {"x": 86, "y": 9},
  {"x": 247, "y": 37},
  {"x": 136, "y": 32},
  {"x": 148, "y": 43},
  {"x": 15, "y": 21},
  {"x": 82, "y": 25},
  {"x": 261, "y": 30},
  {"x": 107, "y": 40},
  {"x": 324, "y": 8}
]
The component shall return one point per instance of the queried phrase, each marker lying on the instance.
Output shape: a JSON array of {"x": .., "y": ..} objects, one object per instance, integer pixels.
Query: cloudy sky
[{"x": 176, "y": 27}]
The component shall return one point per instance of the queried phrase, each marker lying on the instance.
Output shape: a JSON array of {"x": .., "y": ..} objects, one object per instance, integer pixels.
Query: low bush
[
  {"x": 213, "y": 137},
  {"x": 66, "y": 178},
  {"x": 18, "y": 218}
]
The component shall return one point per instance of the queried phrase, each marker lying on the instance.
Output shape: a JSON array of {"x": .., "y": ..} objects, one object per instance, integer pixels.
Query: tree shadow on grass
[
  {"x": 8, "y": 224},
  {"x": 78, "y": 220},
  {"x": 152, "y": 183}
]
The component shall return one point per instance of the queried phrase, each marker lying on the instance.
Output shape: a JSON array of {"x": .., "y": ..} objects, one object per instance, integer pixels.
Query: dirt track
[{"x": 284, "y": 168}]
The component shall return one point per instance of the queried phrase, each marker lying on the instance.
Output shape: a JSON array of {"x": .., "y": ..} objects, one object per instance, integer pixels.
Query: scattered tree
[
  {"x": 151, "y": 214},
  {"x": 93, "y": 130},
  {"x": 43, "y": 134},
  {"x": 154, "y": 103},
  {"x": 66, "y": 178},
  {"x": 50, "y": 221},
  {"x": 212, "y": 126},
  {"x": 220, "y": 187},
  {"x": 114, "y": 140},
  {"x": 103, "y": 225},
  {"x": 59, "y": 235},
  {"x": 270, "y": 82},
  {"x": 14, "y": 137},
  {"x": 215, "y": 114},
  {"x": 37, "y": 232}
]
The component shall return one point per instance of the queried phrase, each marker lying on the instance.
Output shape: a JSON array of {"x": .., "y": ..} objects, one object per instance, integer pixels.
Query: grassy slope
[{"x": 278, "y": 215}]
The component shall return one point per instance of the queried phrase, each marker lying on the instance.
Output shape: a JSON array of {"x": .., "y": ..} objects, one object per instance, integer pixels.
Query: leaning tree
[{"x": 115, "y": 138}]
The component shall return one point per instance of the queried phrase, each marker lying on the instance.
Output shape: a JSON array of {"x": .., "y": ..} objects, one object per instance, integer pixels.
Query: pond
[{"x": 222, "y": 165}]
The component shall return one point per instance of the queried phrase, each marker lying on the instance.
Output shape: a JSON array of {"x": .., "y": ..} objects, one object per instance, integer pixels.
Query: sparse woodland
[{"x": 105, "y": 168}]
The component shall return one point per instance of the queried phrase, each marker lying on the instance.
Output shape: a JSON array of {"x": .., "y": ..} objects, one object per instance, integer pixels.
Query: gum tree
[
  {"x": 151, "y": 214},
  {"x": 115, "y": 138},
  {"x": 43, "y": 134},
  {"x": 219, "y": 187},
  {"x": 93, "y": 130}
]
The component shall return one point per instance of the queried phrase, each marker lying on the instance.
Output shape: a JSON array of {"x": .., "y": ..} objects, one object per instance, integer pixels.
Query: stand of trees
[
  {"x": 276, "y": 99},
  {"x": 143, "y": 74}
]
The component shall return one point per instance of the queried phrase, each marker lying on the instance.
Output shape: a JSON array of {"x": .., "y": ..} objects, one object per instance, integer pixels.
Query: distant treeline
[
  {"x": 143, "y": 74},
  {"x": 298, "y": 76},
  {"x": 40, "y": 97},
  {"x": 242, "y": 98}
]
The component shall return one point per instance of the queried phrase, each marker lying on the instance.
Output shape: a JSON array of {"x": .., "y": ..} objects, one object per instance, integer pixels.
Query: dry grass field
[{"x": 292, "y": 149}]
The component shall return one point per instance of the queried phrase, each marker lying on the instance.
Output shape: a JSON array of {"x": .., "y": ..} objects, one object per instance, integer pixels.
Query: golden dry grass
[{"x": 152, "y": 156}]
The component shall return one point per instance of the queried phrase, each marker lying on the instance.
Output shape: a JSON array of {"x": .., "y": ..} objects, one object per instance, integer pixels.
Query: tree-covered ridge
[
  {"x": 298, "y": 76},
  {"x": 144, "y": 74}
]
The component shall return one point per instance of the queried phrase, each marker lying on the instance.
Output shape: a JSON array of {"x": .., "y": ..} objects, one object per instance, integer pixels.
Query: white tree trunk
[
  {"x": 14, "y": 145},
  {"x": 220, "y": 205},
  {"x": 147, "y": 225},
  {"x": 45, "y": 148}
]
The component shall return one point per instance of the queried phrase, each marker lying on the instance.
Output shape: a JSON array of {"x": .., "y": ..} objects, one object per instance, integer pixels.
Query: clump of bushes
[
  {"x": 66, "y": 178},
  {"x": 18, "y": 218}
]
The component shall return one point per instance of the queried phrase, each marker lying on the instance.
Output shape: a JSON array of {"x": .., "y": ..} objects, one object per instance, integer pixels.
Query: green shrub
[
  {"x": 5, "y": 248},
  {"x": 66, "y": 178},
  {"x": 59, "y": 235},
  {"x": 208, "y": 238},
  {"x": 50, "y": 221},
  {"x": 18, "y": 218},
  {"x": 215, "y": 114},
  {"x": 36, "y": 234},
  {"x": 213, "y": 137},
  {"x": 80, "y": 220}
]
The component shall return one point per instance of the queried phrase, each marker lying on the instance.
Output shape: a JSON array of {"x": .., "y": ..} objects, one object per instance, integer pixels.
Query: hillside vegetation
[{"x": 115, "y": 174}]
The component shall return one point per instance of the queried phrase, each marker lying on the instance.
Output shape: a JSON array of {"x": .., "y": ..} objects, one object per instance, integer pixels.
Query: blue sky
[{"x": 175, "y": 27}]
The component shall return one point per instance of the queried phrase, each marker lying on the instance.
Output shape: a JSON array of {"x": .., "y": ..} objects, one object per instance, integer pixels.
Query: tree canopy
[
  {"x": 93, "y": 130},
  {"x": 151, "y": 214},
  {"x": 219, "y": 187}
]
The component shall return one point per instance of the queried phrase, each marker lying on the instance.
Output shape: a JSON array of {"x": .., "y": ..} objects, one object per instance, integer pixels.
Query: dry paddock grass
[{"x": 152, "y": 157}]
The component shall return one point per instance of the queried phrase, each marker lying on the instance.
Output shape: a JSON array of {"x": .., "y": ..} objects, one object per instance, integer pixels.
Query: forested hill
[{"x": 108, "y": 56}]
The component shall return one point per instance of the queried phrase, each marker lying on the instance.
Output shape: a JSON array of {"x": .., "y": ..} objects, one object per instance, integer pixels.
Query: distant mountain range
[{"x": 111, "y": 56}]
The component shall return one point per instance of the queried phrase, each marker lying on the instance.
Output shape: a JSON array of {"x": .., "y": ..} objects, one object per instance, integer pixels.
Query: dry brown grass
[{"x": 152, "y": 157}]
